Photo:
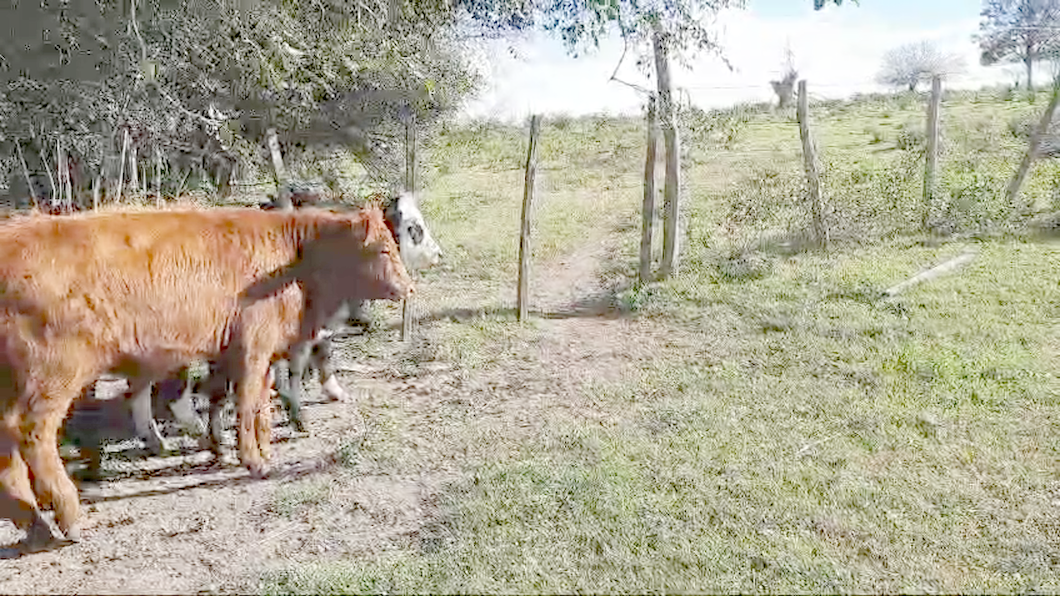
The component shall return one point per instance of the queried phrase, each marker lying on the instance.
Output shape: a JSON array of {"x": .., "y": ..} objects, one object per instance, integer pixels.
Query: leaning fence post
[
  {"x": 523, "y": 296},
  {"x": 813, "y": 179}
]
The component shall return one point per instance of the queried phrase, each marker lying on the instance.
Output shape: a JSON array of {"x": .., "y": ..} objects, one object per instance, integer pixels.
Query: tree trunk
[
  {"x": 672, "y": 181},
  {"x": 121, "y": 167},
  {"x": 158, "y": 176},
  {"x": 1032, "y": 149},
  {"x": 648, "y": 209},
  {"x": 134, "y": 173},
  {"x": 25, "y": 172},
  {"x": 1029, "y": 62}
]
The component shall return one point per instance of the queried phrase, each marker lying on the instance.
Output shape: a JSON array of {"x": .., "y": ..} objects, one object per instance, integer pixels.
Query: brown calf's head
[{"x": 375, "y": 270}]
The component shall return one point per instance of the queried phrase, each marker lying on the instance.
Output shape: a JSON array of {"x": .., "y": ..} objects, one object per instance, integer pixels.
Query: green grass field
[{"x": 778, "y": 427}]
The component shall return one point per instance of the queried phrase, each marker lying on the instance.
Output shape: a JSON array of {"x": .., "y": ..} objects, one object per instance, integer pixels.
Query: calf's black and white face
[{"x": 418, "y": 249}]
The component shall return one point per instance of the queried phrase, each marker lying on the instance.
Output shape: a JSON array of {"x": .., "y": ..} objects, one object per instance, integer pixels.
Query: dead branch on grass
[{"x": 956, "y": 262}]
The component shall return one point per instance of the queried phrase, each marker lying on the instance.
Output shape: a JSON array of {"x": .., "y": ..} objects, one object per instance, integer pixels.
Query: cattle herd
[{"x": 144, "y": 293}]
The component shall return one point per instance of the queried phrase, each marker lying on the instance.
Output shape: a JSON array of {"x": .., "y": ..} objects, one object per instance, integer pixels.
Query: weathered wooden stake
[
  {"x": 672, "y": 186},
  {"x": 523, "y": 296},
  {"x": 932, "y": 142},
  {"x": 648, "y": 209},
  {"x": 813, "y": 179},
  {"x": 282, "y": 198},
  {"x": 1032, "y": 147},
  {"x": 407, "y": 308}
]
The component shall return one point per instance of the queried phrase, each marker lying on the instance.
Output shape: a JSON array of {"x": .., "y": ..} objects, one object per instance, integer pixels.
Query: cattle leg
[
  {"x": 355, "y": 314},
  {"x": 176, "y": 394},
  {"x": 321, "y": 360},
  {"x": 290, "y": 388},
  {"x": 216, "y": 388},
  {"x": 92, "y": 440},
  {"x": 17, "y": 501},
  {"x": 40, "y": 450},
  {"x": 139, "y": 400},
  {"x": 254, "y": 415}
]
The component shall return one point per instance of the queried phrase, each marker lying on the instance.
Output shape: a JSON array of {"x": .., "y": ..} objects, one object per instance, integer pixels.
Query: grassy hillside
[{"x": 762, "y": 422}]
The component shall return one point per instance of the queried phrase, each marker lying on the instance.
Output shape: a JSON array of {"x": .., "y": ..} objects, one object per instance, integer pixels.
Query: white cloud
[{"x": 837, "y": 52}]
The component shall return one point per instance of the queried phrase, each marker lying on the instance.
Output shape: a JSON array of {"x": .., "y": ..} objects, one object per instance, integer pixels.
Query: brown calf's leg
[
  {"x": 42, "y": 416},
  {"x": 39, "y": 447},
  {"x": 254, "y": 415},
  {"x": 17, "y": 501},
  {"x": 263, "y": 421}
]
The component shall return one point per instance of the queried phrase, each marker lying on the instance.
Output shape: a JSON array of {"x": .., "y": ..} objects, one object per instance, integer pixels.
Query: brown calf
[{"x": 143, "y": 293}]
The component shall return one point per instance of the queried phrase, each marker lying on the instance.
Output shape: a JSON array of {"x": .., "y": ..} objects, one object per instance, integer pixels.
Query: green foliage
[
  {"x": 581, "y": 24},
  {"x": 218, "y": 75}
]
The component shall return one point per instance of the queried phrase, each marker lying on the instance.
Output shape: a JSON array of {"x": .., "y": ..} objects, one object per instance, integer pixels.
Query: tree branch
[
  {"x": 187, "y": 112},
  {"x": 625, "y": 49}
]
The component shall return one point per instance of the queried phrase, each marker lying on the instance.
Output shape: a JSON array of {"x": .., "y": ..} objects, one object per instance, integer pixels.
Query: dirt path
[{"x": 182, "y": 524}]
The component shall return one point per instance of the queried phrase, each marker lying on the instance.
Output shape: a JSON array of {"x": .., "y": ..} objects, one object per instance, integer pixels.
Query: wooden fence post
[
  {"x": 932, "y": 146},
  {"x": 672, "y": 184},
  {"x": 523, "y": 296},
  {"x": 1032, "y": 146},
  {"x": 648, "y": 210},
  {"x": 282, "y": 198},
  {"x": 813, "y": 179},
  {"x": 407, "y": 313}
]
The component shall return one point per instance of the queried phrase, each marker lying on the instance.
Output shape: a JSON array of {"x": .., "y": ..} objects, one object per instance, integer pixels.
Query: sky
[{"x": 838, "y": 50}]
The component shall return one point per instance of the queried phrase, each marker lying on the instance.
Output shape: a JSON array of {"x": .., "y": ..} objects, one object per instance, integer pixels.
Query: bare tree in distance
[
  {"x": 785, "y": 87},
  {"x": 1023, "y": 31},
  {"x": 906, "y": 66}
]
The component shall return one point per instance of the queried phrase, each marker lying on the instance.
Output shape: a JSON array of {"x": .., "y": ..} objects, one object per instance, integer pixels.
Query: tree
[
  {"x": 785, "y": 87},
  {"x": 1019, "y": 31},
  {"x": 819, "y": 4},
  {"x": 909, "y": 64},
  {"x": 214, "y": 72}
]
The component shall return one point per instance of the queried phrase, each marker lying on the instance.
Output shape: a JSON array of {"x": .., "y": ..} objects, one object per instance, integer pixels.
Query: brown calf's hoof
[
  {"x": 258, "y": 471},
  {"x": 73, "y": 534}
]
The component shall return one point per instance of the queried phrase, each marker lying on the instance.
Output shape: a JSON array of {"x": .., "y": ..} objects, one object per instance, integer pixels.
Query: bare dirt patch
[{"x": 185, "y": 524}]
